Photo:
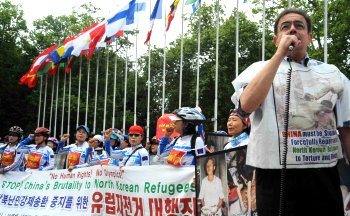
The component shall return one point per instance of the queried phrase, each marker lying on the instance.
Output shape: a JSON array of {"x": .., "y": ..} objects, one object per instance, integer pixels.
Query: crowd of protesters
[{"x": 37, "y": 151}]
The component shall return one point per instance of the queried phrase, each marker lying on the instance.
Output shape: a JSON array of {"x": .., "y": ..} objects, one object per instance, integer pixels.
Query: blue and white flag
[{"x": 125, "y": 18}]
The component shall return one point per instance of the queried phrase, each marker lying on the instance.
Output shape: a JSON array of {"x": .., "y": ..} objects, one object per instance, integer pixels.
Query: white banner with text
[{"x": 100, "y": 190}]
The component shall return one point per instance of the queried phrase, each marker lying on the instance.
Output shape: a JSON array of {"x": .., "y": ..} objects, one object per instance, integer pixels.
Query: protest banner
[{"x": 100, "y": 190}]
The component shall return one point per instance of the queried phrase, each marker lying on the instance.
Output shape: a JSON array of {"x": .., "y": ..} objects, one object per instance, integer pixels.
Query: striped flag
[
  {"x": 30, "y": 78},
  {"x": 156, "y": 14},
  {"x": 171, "y": 14}
]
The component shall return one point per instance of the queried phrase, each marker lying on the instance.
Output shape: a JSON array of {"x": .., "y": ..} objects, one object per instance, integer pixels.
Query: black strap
[
  {"x": 193, "y": 144},
  {"x": 140, "y": 147}
]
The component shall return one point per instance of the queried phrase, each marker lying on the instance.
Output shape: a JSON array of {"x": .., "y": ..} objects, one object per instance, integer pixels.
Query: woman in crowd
[
  {"x": 242, "y": 174},
  {"x": 116, "y": 139},
  {"x": 97, "y": 155},
  {"x": 238, "y": 128},
  {"x": 52, "y": 142},
  {"x": 41, "y": 157},
  {"x": 11, "y": 160},
  {"x": 136, "y": 155},
  {"x": 79, "y": 151},
  {"x": 182, "y": 150}
]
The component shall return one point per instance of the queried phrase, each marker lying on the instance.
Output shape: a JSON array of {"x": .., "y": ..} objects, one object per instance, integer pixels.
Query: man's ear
[{"x": 275, "y": 40}]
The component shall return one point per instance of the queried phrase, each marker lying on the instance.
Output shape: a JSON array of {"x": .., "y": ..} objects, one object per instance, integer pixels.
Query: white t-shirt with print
[
  {"x": 211, "y": 192},
  {"x": 316, "y": 89}
]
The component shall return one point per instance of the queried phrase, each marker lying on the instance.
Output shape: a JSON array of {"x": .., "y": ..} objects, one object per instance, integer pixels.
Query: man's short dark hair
[
  {"x": 206, "y": 162},
  {"x": 295, "y": 11}
]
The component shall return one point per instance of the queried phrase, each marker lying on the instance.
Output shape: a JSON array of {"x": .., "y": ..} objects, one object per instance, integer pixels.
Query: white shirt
[
  {"x": 211, "y": 192},
  {"x": 313, "y": 140}
]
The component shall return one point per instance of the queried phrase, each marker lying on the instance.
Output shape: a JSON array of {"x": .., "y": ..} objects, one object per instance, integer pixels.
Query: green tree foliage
[{"x": 14, "y": 61}]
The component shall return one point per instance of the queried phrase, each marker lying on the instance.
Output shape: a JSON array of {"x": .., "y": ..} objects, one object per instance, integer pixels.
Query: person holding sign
[{"x": 238, "y": 128}]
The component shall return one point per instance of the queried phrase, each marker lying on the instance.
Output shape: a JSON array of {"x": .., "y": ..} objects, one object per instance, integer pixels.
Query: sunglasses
[{"x": 134, "y": 135}]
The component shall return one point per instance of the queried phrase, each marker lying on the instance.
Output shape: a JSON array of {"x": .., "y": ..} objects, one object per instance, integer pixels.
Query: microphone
[{"x": 291, "y": 47}]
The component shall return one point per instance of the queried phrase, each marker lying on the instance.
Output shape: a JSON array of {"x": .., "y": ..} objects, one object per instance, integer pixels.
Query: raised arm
[{"x": 257, "y": 89}]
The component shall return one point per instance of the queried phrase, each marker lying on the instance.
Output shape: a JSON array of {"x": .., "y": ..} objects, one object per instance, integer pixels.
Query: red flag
[
  {"x": 95, "y": 36},
  {"x": 162, "y": 123},
  {"x": 30, "y": 78}
]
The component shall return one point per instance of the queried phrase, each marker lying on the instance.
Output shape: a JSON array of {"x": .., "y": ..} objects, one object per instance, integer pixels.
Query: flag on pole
[
  {"x": 95, "y": 36},
  {"x": 171, "y": 14},
  {"x": 47, "y": 67},
  {"x": 82, "y": 42},
  {"x": 30, "y": 78},
  {"x": 102, "y": 32},
  {"x": 156, "y": 14},
  {"x": 124, "y": 17},
  {"x": 195, "y": 5},
  {"x": 62, "y": 51}
]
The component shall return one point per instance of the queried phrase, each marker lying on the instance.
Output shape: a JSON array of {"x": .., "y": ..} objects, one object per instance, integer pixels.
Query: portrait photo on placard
[{"x": 225, "y": 185}]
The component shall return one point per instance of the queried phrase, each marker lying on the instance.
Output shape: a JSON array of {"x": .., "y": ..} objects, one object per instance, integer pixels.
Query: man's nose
[{"x": 292, "y": 29}]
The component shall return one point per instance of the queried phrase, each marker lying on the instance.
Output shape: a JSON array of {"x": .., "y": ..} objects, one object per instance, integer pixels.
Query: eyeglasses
[
  {"x": 134, "y": 135},
  {"x": 288, "y": 24}
]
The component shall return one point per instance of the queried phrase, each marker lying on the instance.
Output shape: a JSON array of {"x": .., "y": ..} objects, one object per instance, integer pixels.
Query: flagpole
[
  {"x": 58, "y": 82},
  {"x": 164, "y": 62},
  {"x": 63, "y": 101},
  {"x": 198, "y": 52},
  {"x": 52, "y": 98},
  {"x": 106, "y": 89},
  {"x": 96, "y": 89},
  {"x": 237, "y": 38},
  {"x": 181, "y": 53},
  {"x": 136, "y": 74},
  {"x": 263, "y": 33},
  {"x": 125, "y": 88},
  {"x": 41, "y": 87},
  {"x": 115, "y": 82},
  {"x": 149, "y": 83},
  {"x": 87, "y": 91},
  {"x": 45, "y": 95},
  {"x": 79, "y": 86},
  {"x": 325, "y": 31},
  {"x": 69, "y": 98},
  {"x": 216, "y": 67}
]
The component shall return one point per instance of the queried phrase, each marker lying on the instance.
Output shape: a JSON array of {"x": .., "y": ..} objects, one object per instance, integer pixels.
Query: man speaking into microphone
[{"x": 300, "y": 115}]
